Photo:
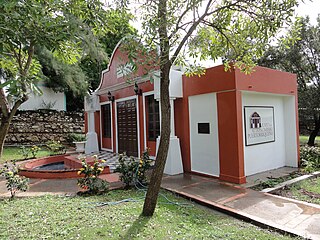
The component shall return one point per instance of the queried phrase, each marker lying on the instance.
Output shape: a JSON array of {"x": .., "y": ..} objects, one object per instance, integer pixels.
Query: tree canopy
[
  {"x": 65, "y": 28},
  {"x": 303, "y": 59},
  {"x": 78, "y": 78}
]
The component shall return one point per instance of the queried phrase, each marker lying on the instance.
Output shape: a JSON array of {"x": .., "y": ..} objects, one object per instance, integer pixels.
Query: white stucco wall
[
  {"x": 204, "y": 148},
  {"x": 49, "y": 97},
  {"x": 281, "y": 152}
]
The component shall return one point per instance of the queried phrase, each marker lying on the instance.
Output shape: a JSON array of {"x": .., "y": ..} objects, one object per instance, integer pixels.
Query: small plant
[
  {"x": 56, "y": 147},
  {"x": 77, "y": 137},
  {"x": 144, "y": 165},
  {"x": 24, "y": 151},
  {"x": 34, "y": 150},
  {"x": 127, "y": 169},
  {"x": 310, "y": 158},
  {"x": 91, "y": 181},
  {"x": 14, "y": 182},
  {"x": 133, "y": 170}
]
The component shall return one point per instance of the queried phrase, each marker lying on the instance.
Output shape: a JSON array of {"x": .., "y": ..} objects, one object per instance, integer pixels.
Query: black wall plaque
[{"x": 204, "y": 128}]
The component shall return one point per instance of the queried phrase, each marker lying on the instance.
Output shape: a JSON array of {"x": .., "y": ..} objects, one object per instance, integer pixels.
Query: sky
[{"x": 310, "y": 8}]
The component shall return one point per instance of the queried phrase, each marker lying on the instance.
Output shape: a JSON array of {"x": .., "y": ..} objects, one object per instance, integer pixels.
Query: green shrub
[
  {"x": 76, "y": 137},
  {"x": 133, "y": 170},
  {"x": 56, "y": 147},
  {"x": 14, "y": 182},
  {"x": 24, "y": 151},
  {"x": 127, "y": 169},
  {"x": 91, "y": 181},
  {"x": 34, "y": 150},
  {"x": 310, "y": 158}
]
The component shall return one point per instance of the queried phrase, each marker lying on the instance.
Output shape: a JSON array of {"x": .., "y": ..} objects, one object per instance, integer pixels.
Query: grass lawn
[
  {"x": 53, "y": 217},
  {"x": 307, "y": 190},
  {"x": 13, "y": 153},
  {"x": 304, "y": 139}
]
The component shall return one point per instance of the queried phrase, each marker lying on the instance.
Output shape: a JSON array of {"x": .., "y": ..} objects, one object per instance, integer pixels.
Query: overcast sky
[{"x": 310, "y": 8}]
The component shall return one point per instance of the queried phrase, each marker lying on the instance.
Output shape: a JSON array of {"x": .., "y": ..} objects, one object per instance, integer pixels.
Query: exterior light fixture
[
  {"x": 137, "y": 90},
  {"x": 111, "y": 98}
]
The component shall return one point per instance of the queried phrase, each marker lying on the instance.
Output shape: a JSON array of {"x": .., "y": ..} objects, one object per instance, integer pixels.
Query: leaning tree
[
  {"x": 64, "y": 27},
  {"x": 184, "y": 31}
]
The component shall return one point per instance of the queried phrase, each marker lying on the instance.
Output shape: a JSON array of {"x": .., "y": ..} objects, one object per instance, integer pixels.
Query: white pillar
[
  {"x": 91, "y": 106},
  {"x": 92, "y": 138},
  {"x": 172, "y": 133},
  {"x": 174, "y": 159}
]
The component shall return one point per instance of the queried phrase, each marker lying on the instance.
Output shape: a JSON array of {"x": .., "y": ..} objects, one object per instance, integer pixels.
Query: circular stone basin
[{"x": 55, "y": 167}]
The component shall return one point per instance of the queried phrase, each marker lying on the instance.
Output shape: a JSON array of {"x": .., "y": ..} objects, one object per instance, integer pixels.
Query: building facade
[{"x": 225, "y": 124}]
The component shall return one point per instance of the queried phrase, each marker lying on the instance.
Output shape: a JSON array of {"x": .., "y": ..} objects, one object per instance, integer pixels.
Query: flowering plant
[
  {"x": 25, "y": 151},
  {"x": 14, "y": 182},
  {"x": 144, "y": 165},
  {"x": 91, "y": 181},
  {"x": 34, "y": 150},
  {"x": 133, "y": 170}
]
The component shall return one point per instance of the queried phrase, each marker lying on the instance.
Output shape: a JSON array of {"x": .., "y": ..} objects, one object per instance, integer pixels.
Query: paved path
[
  {"x": 288, "y": 215},
  {"x": 39, "y": 187}
]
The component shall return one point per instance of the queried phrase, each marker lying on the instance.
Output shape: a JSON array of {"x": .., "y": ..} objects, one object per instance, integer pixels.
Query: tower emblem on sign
[{"x": 255, "y": 120}]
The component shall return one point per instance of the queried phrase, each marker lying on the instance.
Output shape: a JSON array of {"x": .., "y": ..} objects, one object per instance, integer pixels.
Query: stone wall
[{"x": 38, "y": 127}]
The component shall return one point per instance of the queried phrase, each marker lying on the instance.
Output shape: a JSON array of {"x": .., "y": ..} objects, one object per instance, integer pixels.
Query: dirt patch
[
  {"x": 307, "y": 190},
  {"x": 272, "y": 182}
]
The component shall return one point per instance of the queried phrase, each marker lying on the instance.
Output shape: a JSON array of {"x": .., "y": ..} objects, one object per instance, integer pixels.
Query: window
[
  {"x": 153, "y": 118},
  {"x": 106, "y": 113}
]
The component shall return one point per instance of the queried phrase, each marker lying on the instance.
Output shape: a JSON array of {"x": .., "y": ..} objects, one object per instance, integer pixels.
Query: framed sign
[{"x": 259, "y": 125}]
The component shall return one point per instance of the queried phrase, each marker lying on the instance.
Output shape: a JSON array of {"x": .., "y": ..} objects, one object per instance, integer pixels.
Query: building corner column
[
  {"x": 91, "y": 106},
  {"x": 174, "y": 160}
]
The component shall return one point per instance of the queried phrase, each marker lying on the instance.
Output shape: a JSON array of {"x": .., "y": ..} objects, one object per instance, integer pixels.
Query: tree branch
[
  {"x": 4, "y": 103},
  {"x": 29, "y": 60},
  {"x": 190, "y": 31}
]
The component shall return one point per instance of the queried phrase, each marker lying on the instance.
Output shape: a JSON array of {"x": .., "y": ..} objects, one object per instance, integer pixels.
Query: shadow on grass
[{"x": 136, "y": 227}]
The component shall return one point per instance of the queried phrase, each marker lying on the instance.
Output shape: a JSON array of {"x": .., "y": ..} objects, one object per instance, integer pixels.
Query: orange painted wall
[
  {"x": 109, "y": 76},
  {"x": 127, "y": 92},
  {"x": 97, "y": 125},
  {"x": 151, "y": 145},
  {"x": 230, "y": 137},
  {"x": 215, "y": 80},
  {"x": 181, "y": 113},
  {"x": 267, "y": 80},
  {"x": 106, "y": 143}
]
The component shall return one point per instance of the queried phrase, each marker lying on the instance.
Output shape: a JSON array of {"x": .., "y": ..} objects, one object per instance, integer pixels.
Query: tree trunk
[
  {"x": 6, "y": 121},
  {"x": 165, "y": 65},
  {"x": 315, "y": 132},
  {"x": 157, "y": 173},
  {"x": 4, "y": 128}
]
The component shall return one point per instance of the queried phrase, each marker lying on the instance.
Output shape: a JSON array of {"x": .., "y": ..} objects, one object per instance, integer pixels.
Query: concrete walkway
[
  {"x": 69, "y": 187},
  {"x": 287, "y": 215}
]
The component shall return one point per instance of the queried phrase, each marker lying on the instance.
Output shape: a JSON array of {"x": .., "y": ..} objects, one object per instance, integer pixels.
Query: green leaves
[{"x": 66, "y": 28}]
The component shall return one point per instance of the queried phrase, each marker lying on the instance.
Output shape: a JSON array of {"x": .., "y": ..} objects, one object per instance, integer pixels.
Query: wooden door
[{"x": 127, "y": 127}]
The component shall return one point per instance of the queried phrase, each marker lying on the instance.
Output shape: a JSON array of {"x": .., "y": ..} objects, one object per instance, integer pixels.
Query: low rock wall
[{"x": 41, "y": 126}]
